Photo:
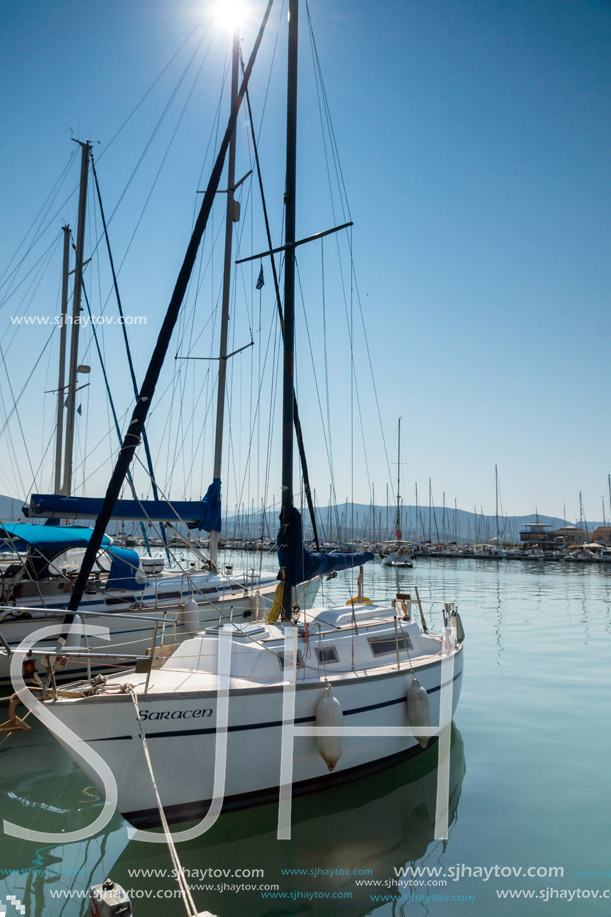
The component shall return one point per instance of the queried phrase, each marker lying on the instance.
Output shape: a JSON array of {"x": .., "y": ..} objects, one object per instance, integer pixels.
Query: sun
[{"x": 229, "y": 13}]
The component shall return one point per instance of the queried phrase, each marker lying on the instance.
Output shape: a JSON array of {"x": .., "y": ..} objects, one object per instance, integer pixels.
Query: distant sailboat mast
[
  {"x": 398, "y": 533},
  {"x": 443, "y": 518},
  {"x": 455, "y": 522},
  {"x": 582, "y": 515},
  {"x": 496, "y": 484}
]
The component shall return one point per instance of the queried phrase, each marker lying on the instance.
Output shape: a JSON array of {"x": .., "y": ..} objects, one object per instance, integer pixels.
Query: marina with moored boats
[{"x": 233, "y": 704}]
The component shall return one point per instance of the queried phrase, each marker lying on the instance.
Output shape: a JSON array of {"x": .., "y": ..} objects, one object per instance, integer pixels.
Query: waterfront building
[
  {"x": 602, "y": 534},
  {"x": 570, "y": 534},
  {"x": 539, "y": 534}
]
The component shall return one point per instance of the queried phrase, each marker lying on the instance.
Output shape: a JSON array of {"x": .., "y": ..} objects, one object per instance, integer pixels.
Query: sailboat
[
  {"x": 398, "y": 553},
  {"x": 248, "y": 712}
]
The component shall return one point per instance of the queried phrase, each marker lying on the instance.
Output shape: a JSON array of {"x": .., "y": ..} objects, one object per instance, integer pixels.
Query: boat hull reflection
[{"x": 362, "y": 831}]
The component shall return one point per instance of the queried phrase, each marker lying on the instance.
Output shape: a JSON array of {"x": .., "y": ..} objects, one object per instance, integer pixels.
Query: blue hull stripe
[{"x": 247, "y": 726}]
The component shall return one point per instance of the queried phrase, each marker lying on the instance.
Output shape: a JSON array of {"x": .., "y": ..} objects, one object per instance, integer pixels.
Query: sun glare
[{"x": 229, "y": 13}]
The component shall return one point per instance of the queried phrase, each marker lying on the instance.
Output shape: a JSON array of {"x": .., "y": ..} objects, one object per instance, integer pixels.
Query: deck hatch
[
  {"x": 327, "y": 654},
  {"x": 286, "y": 661},
  {"x": 381, "y": 646}
]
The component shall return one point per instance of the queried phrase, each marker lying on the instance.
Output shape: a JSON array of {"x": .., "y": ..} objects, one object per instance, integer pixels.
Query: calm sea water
[{"x": 530, "y": 785}]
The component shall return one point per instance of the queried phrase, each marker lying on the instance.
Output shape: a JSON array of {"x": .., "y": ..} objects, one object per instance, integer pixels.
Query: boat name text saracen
[{"x": 175, "y": 714}]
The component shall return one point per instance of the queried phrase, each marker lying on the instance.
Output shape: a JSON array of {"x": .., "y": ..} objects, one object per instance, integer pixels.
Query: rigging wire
[
  {"x": 16, "y": 400},
  {"x": 41, "y": 265},
  {"x": 17, "y": 415},
  {"x": 35, "y": 281},
  {"x": 167, "y": 151},
  {"x": 256, "y": 419},
  {"x": 38, "y": 228},
  {"x": 106, "y": 383},
  {"x": 271, "y": 338},
  {"x": 329, "y": 428},
  {"x": 296, "y": 419},
  {"x": 39, "y": 218},
  {"x": 181, "y": 378},
  {"x": 153, "y": 372},
  {"x": 45, "y": 452},
  {"x": 48, "y": 414},
  {"x": 214, "y": 233},
  {"x": 326, "y": 121},
  {"x": 194, "y": 83},
  {"x": 130, "y": 362},
  {"x": 151, "y": 87},
  {"x": 11, "y": 450}
]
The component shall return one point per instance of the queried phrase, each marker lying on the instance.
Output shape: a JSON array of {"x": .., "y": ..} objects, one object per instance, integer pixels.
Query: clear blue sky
[{"x": 474, "y": 140}]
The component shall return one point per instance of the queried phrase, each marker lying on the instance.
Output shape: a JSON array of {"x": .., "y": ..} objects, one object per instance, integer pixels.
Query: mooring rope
[{"x": 178, "y": 870}]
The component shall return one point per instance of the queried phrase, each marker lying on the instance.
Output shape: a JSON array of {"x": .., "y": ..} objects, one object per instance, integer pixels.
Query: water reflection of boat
[
  {"x": 362, "y": 831},
  {"x": 374, "y": 825},
  {"x": 41, "y": 789},
  {"x": 48, "y": 880}
]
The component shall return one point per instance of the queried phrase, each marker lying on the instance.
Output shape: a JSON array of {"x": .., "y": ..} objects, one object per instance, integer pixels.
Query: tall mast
[
  {"x": 76, "y": 310},
  {"x": 496, "y": 485},
  {"x": 387, "y": 512},
  {"x": 229, "y": 221},
  {"x": 582, "y": 515},
  {"x": 455, "y": 528},
  {"x": 398, "y": 533},
  {"x": 373, "y": 511},
  {"x": 443, "y": 519},
  {"x": 59, "y": 438},
  {"x": 289, "y": 279}
]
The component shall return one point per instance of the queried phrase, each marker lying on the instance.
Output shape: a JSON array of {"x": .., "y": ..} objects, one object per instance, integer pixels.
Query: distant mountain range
[{"x": 347, "y": 522}]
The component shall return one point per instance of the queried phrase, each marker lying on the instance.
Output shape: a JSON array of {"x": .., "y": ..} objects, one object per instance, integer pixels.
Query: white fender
[
  {"x": 189, "y": 617},
  {"x": 329, "y": 713},
  {"x": 418, "y": 709}
]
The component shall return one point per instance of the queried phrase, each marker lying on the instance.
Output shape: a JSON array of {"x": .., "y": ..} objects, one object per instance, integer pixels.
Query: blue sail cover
[
  {"x": 300, "y": 565},
  {"x": 45, "y": 540},
  {"x": 125, "y": 570},
  {"x": 211, "y": 517},
  {"x": 196, "y": 514}
]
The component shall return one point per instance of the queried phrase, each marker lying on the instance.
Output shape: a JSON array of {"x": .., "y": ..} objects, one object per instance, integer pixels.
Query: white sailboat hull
[{"x": 181, "y": 733}]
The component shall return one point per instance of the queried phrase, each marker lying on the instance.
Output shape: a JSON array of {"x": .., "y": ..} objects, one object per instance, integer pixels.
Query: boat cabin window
[
  {"x": 381, "y": 646},
  {"x": 66, "y": 562},
  {"x": 286, "y": 662},
  {"x": 327, "y": 654},
  {"x": 103, "y": 562},
  {"x": 70, "y": 562}
]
